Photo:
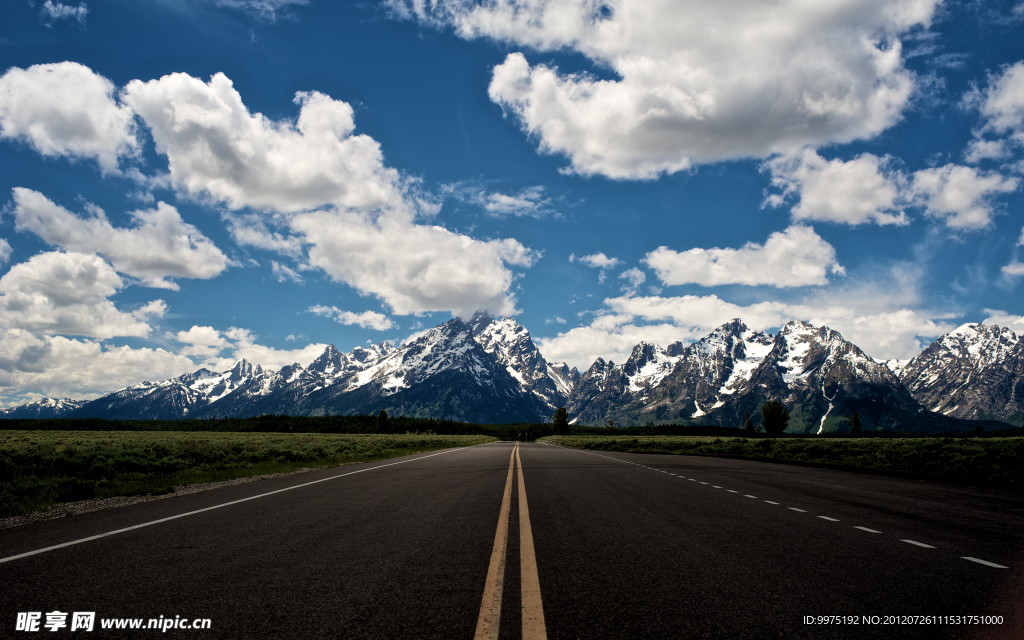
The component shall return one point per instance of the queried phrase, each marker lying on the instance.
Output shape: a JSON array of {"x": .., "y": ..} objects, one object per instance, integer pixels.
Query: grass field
[
  {"x": 971, "y": 460},
  {"x": 42, "y": 468}
]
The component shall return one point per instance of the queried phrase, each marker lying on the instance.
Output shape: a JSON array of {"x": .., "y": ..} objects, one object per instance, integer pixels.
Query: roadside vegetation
[
  {"x": 41, "y": 468},
  {"x": 990, "y": 460}
]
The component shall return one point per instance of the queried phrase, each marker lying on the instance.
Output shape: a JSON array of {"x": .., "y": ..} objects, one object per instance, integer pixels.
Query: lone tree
[
  {"x": 382, "y": 421},
  {"x": 979, "y": 430},
  {"x": 774, "y": 417},
  {"x": 748, "y": 426},
  {"x": 610, "y": 425},
  {"x": 854, "y": 422},
  {"x": 561, "y": 422}
]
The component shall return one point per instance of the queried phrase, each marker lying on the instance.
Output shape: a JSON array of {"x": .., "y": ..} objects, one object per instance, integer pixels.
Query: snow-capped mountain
[
  {"x": 182, "y": 397},
  {"x": 444, "y": 373},
  {"x": 511, "y": 344},
  {"x": 45, "y": 408},
  {"x": 489, "y": 370},
  {"x": 820, "y": 376},
  {"x": 975, "y": 371}
]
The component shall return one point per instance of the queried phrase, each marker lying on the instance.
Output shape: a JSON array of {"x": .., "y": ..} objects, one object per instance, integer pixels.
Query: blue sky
[{"x": 185, "y": 182}]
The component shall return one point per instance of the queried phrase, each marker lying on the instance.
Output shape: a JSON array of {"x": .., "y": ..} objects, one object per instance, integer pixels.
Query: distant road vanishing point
[{"x": 530, "y": 540}]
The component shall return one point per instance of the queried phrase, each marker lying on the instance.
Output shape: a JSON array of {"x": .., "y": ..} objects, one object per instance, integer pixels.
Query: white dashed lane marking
[
  {"x": 984, "y": 562},
  {"x": 798, "y": 510}
]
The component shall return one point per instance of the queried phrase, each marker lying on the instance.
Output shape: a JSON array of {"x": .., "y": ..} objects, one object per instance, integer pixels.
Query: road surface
[{"x": 623, "y": 546}]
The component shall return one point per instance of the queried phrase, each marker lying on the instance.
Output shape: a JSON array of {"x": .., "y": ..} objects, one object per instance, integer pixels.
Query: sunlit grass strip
[
  {"x": 985, "y": 460},
  {"x": 41, "y": 468}
]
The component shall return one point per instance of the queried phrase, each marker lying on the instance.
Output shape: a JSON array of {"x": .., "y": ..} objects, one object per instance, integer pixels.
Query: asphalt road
[{"x": 626, "y": 546}]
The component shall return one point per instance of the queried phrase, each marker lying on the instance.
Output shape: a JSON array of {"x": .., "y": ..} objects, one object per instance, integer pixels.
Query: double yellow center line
[{"x": 490, "y": 606}]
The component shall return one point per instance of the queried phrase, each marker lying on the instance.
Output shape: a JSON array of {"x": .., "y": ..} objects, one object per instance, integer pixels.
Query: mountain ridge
[{"x": 489, "y": 370}]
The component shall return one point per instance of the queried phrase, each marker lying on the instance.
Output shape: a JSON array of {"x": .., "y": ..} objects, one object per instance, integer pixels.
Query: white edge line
[
  {"x": 866, "y": 529},
  {"x": 218, "y": 506},
  {"x": 828, "y": 518},
  {"x": 984, "y": 562},
  {"x": 918, "y": 544},
  {"x": 795, "y": 509},
  {"x": 770, "y": 502}
]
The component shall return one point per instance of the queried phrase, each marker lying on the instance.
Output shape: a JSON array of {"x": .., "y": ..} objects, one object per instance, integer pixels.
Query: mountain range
[{"x": 488, "y": 370}]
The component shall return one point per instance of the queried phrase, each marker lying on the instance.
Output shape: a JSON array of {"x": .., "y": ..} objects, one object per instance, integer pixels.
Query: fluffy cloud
[
  {"x": 366, "y": 319},
  {"x": 795, "y": 257},
  {"x": 596, "y": 261},
  {"x": 1003, "y": 103},
  {"x": 159, "y": 245},
  {"x": 959, "y": 196},
  {"x": 203, "y": 342},
  {"x": 854, "y": 192},
  {"x": 625, "y": 321},
  {"x": 64, "y": 109},
  {"x": 1002, "y": 319},
  {"x": 869, "y": 189},
  {"x": 52, "y": 11},
  {"x": 5, "y": 251},
  {"x": 698, "y": 82},
  {"x": 634, "y": 278},
  {"x": 412, "y": 267},
  {"x": 69, "y": 293},
  {"x": 369, "y": 236},
  {"x": 210, "y": 344},
  {"x": 217, "y": 149},
  {"x": 56, "y": 366}
]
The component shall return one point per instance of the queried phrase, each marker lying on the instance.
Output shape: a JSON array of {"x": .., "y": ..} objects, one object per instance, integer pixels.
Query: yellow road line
[
  {"x": 490, "y": 606},
  {"x": 533, "y": 608}
]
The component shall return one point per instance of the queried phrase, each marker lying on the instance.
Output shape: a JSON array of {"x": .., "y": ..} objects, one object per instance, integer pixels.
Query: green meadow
[
  {"x": 996, "y": 461},
  {"x": 41, "y": 468}
]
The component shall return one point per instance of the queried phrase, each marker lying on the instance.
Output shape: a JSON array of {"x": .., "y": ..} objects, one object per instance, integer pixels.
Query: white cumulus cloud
[
  {"x": 1002, "y": 105},
  {"x": 65, "y": 109},
  {"x": 211, "y": 344},
  {"x": 412, "y": 267},
  {"x": 160, "y": 245},
  {"x": 57, "y": 367},
  {"x": 698, "y": 82},
  {"x": 960, "y": 196},
  {"x": 366, "y": 319},
  {"x": 217, "y": 149},
  {"x": 869, "y": 189},
  {"x": 5, "y": 251},
  {"x": 795, "y": 257},
  {"x": 858, "y": 191},
  {"x": 68, "y": 293},
  {"x": 596, "y": 260}
]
